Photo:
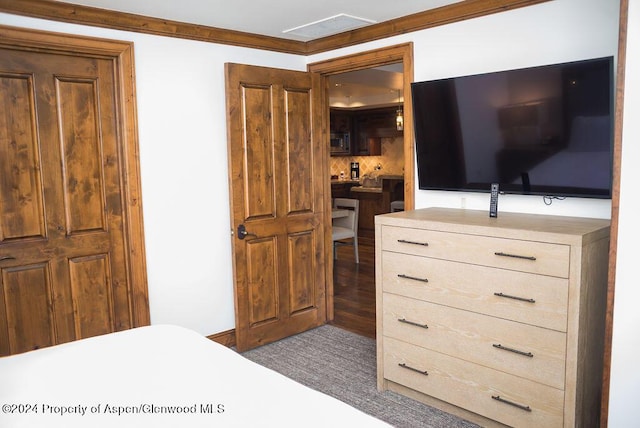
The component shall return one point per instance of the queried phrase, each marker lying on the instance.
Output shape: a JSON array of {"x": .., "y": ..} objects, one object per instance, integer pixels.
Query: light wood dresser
[{"x": 498, "y": 320}]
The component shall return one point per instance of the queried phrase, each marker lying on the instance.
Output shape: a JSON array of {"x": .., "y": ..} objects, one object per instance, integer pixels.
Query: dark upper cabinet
[
  {"x": 340, "y": 120},
  {"x": 367, "y": 145},
  {"x": 359, "y": 132},
  {"x": 341, "y": 131}
]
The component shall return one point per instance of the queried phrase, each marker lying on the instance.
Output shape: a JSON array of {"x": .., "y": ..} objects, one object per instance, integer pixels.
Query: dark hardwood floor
[{"x": 354, "y": 291}]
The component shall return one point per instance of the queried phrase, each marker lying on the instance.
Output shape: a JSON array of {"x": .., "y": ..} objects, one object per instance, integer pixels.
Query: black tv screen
[{"x": 545, "y": 130}]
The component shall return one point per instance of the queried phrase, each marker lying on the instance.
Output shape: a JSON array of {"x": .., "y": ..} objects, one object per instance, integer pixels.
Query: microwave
[{"x": 340, "y": 143}]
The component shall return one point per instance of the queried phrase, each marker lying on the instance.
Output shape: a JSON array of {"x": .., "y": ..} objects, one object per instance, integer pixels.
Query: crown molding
[
  {"x": 85, "y": 15},
  {"x": 455, "y": 12},
  {"x": 96, "y": 17}
]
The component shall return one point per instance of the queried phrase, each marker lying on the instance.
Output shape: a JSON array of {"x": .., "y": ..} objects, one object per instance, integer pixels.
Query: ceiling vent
[{"x": 328, "y": 26}]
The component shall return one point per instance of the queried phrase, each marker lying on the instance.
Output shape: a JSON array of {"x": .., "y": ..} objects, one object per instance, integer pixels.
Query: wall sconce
[{"x": 399, "y": 116}]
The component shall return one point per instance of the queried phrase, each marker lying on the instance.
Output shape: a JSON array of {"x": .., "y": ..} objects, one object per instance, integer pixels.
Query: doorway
[{"x": 363, "y": 275}]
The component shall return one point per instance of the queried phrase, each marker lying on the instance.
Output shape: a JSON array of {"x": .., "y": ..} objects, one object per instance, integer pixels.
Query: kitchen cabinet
[
  {"x": 376, "y": 200},
  {"x": 340, "y": 126},
  {"x": 342, "y": 188},
  {"x": 372, "y": 203},
  {"x": 370, "y": 127},
  {"x": 360, "y": 132}
]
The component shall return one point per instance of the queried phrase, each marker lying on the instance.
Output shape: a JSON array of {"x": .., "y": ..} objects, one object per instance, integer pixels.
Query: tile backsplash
[{"x": 392, "y": 160}]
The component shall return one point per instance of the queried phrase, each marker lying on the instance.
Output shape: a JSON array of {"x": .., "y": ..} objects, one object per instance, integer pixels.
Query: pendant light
[{"x": 399, "y": 115}]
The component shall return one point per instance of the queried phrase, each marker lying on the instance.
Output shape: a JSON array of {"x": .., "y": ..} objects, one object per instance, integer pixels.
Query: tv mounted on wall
[{"x": 545, "y": 130}]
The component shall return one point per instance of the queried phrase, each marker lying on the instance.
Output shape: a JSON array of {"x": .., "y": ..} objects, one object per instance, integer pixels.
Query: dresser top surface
[{"x": 479, "y": 222}]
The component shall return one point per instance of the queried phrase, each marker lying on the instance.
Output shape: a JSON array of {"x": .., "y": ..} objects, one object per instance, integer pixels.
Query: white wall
[{"x": 625, "y": 374}]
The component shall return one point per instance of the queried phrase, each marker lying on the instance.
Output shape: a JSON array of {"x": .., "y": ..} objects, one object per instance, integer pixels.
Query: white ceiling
[
  {"x": 381, "y": 86},
  {"x": 269, "y": 18},
  {"x": 365, "y": 88}
]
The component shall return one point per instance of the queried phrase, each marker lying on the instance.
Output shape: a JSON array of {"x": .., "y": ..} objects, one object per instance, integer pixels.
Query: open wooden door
[{"x": 277, "y": 165}]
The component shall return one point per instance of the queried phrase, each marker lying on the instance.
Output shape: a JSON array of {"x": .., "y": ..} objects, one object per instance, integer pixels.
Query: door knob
[{"x": 242, "y": 232}]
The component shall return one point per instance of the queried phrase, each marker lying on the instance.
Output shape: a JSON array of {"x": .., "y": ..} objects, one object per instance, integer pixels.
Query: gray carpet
[{"x": 343, "y": 365}]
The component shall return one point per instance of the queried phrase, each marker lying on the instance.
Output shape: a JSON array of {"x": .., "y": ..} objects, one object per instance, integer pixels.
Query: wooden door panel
[
  {"x": 91, "y": 295},
  {"x": 25, "y": 309},
  {"x": 259, "y": 152},
  {"x": 262, "y": 281},
  {"x": 300, "y": 165},
  {"x": 81, "y": 153},
  {"x": 22, "y": 206},
  {"x": 302, "y": 280}
]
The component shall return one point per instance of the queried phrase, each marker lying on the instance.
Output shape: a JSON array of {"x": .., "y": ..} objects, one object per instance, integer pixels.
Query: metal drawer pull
[
  {"x": 415, "y": 278},
  {"x": 412, "y": 323},
  {"x": 516, "y": 256},
  {"x": 404, "y": 241},
  {"x": 6, "y": 258},
  {"x": 511, "y": 403},
  {"x": 523, "y": 299},
  {"x": 404, "y": 366},
  {"x": 526, "y": 354}
]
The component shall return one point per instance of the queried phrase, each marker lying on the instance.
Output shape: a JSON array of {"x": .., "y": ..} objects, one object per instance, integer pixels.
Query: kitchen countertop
[
  {"x": 338, "y": 181},
  {"x": 366, "y": 189},
  {"x": 360, "y": 188},
  {"x": 382, "y": 176}
]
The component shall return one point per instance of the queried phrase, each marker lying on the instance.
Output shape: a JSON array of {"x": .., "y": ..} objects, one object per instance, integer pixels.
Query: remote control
[{"x": 493, "y": 206}]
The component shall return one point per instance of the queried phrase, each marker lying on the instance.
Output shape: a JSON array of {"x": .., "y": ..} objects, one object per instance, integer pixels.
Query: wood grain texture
[
  {"x": 462, "y": 321},
  {"x": 77, "y": 14},
  {"x": 83, "y": 224},
  {"x": 226, "y": 338},
  {"x": 26, "y": 309},
  {"x": 355, "y": 293},
  {"x": 276, "y": 167},
  {"x": 354, "y": 289},
  {"x": 514, "y": 254},
  {"x": 419, "y": 21},
  {"x": 394, "y": 54},
  {"x": 472, "y": 287},
  {"x": 471, "y": 386},
  {"x": 615, "y": 208},
  {"x": 22, "y": 208}
]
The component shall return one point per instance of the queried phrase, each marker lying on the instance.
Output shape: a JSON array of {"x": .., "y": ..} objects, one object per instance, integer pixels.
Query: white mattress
[{"x": 158, "y": 376}]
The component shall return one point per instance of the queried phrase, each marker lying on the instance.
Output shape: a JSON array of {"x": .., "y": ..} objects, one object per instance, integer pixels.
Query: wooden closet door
[{"x": 62, "y": 248}]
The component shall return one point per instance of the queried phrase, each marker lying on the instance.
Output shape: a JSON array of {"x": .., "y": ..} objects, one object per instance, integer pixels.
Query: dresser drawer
[
  {"x": 523, "y": 350},
  {"x": 472, "y": 386},
  {"x": 526, "y": 256},
  {"x": 533, "y": 299}
]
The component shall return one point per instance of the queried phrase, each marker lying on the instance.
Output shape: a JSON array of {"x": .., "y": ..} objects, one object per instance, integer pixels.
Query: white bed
[{"x": 145, "y": 376}]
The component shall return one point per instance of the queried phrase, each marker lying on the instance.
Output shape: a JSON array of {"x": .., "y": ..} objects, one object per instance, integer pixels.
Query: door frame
[
  {"x": 122, "y": 56},
  {"x": 402, "y": 53}
]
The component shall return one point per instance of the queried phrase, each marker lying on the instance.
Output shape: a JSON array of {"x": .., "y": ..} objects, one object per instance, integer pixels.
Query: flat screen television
[{"x": 545, "y": 130}]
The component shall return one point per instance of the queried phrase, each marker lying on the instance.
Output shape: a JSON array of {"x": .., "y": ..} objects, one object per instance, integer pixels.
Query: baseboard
[{"x": 226, "y": 338}]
